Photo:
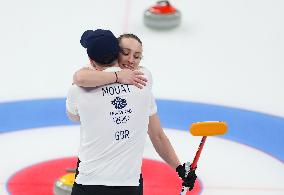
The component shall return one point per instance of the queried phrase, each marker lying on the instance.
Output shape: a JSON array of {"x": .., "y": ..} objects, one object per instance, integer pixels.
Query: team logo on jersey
[
  {"x": 119, "y": 103},
  {"x": 120, "y": 115}
]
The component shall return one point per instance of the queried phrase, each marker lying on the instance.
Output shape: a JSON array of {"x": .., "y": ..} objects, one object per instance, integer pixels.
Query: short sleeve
[
  {"x": 71, "y": 100},
  {"x": 153, "y": 105}
]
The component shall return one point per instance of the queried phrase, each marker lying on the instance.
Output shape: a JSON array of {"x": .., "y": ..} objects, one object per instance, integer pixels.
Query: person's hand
[
  {"x": 189, "y": 180},
  {"x": 132, "y": 77}
]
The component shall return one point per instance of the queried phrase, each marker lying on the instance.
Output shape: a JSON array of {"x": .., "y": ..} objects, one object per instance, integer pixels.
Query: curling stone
[
  {"x": 162, "y": 16},
  {"x": 64, "y": 184}
]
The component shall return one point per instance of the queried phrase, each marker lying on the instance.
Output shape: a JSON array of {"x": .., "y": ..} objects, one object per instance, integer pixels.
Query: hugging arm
[{"x": 86, "y": 77}]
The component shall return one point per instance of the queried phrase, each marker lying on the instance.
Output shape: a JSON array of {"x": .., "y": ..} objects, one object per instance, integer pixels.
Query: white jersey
[{"x": 114, "y": 123}]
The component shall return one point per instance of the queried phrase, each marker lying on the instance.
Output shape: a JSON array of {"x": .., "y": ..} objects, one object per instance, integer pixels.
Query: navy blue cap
[{"x": 102, "y": 46}]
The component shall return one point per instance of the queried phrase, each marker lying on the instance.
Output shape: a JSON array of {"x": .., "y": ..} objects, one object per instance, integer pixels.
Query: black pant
[{"x": 79, "y": 189}]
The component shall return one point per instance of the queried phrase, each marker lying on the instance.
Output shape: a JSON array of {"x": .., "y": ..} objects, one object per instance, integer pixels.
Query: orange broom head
[{"x": 208, "y": 128}]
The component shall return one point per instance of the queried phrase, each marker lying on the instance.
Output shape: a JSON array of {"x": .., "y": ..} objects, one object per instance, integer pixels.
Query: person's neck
[{"x": 102, "y": 68}]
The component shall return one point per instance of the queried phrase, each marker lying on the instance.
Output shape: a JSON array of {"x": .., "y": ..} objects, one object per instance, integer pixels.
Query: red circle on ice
[{"x": 159, "y": 178}]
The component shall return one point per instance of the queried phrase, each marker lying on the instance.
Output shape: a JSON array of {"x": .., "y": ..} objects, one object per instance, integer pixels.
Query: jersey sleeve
[
  {"x": 153, "y": 105},
  {"x": 71, "y": 100}
]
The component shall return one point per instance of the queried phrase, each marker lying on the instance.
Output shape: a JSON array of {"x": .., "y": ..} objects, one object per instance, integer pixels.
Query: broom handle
[
  {"x": 194, "y": 163},
  {"x": 197, "y": 155}
]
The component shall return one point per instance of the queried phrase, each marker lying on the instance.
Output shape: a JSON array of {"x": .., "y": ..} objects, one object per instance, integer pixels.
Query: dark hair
[{"x": 129, "y": 35}]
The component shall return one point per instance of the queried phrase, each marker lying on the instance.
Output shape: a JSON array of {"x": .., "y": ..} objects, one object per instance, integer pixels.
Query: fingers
[
  {"x": 140, "y": 81},
  {"x": 138, "y": 85},
  {"x": 138, "y": 76},
  {"x": 132, "y": 77},
  {"x": 141, "y": 78}
]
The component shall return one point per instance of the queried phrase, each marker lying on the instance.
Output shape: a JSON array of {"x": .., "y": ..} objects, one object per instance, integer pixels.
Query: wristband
[{"x": 116, "y": 78}]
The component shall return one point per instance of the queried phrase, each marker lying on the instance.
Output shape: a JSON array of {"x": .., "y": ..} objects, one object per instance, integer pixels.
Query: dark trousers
[{"x": 79, "y": 189}]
